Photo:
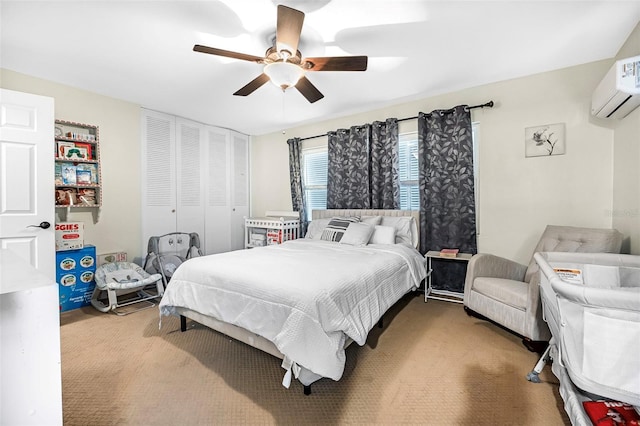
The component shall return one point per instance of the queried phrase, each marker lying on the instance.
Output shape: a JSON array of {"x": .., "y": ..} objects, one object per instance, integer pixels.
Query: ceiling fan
[{"x": 283, "y": 62}]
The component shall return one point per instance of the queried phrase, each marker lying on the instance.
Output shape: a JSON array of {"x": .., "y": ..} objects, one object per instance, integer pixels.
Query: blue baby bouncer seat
[{"x": 123, "y": 284}]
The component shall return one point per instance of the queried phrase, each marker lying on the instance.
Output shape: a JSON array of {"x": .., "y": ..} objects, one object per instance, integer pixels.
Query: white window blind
[
  {"x": 314, "y": 179},
  {"x": 408, "y": 171}
]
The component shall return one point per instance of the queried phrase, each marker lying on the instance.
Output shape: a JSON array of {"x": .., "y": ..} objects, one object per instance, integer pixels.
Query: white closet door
[
  {"x": 158, "y": 175},
  {"x": 239, "y": 188},
  {"x": 195, "y": 179},
  {"x": 218, "y": 207},
  {"x": 190, "y": 164}
]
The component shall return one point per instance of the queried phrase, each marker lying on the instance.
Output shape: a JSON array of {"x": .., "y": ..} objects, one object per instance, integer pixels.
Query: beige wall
[
  {"x": 518, "y": 196},
  {"x": 118, "y": 228},
  {"x": 626, "y": 175}
]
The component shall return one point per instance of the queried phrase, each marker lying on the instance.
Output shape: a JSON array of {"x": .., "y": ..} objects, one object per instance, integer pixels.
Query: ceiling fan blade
[
  {"x": 308, "y": 90},
  {"x": 288, "y": 29},
  {"x": 252, "y": 85},
  {"x": 336, "y": 63},
  {"x": 227, "y": 53}
]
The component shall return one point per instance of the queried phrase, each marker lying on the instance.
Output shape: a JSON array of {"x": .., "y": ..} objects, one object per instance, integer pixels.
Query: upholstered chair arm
[
  {"x": 534, "y": 323},
  {"x": 488, "y": 265},
  {"x": 533, "y": 296}
]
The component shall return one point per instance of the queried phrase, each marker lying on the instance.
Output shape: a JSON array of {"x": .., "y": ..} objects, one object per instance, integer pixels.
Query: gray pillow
[
  {"x": 336, "y": 228},
  {"x": 371, "y": 220}
]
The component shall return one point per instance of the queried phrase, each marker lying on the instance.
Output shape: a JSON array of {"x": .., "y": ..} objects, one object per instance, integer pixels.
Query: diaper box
[
  {"x": 75, "y": 271},
  {"x": 69, "y": 236}
]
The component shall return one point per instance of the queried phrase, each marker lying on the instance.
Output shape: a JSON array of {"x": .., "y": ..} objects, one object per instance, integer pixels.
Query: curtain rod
[{"x": 485, "y": 105}]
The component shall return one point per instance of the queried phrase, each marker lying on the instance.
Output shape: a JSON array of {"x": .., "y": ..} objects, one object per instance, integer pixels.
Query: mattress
[{"x": 305, "y": 296}]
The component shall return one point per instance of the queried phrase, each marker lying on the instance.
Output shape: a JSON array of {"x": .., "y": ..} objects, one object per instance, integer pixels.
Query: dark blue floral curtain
[
  {"x": 295, "y": 174},
  {"x": 446, "y": 184},
  {"x": 363, "y": 167}
]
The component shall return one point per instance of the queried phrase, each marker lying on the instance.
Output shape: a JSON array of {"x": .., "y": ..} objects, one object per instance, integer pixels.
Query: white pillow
[
  {"x": 406, "y": 228},
  {"x": 383, "y": 235},
  {"x": 372, "y": 220},
  {"x": 315, "y": 228},
  {"x": 357, "y": 234}
]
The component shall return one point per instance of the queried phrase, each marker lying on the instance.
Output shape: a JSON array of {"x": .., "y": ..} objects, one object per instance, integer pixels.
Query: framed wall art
[{"x": 545, "y": 140}]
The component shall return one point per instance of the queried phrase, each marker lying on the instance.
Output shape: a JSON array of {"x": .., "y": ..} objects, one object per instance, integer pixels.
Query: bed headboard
[{"x": 319, "y": 214}]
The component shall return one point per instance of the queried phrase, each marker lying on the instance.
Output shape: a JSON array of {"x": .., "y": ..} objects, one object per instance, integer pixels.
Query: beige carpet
[{"x": 430, "y": 364}]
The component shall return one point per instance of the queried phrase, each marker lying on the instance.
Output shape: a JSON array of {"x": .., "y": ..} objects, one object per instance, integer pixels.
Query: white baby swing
[{"x": 128, "y": 281}]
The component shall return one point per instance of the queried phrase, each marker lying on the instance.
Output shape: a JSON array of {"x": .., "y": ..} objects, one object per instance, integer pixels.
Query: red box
[{"x": 274, "y": 236}]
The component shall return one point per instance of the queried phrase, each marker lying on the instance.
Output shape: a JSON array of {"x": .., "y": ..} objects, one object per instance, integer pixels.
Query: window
[
  {"x": 408, "y": 171},
  {"x": 314, "y": 173},
  {"x": 314, "y": 179},
  {"x": 408, "y": 168}
]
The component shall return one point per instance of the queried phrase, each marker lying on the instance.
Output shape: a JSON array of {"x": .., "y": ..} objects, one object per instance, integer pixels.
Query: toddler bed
[
  {"x": 591, "y": 303},
  {"x": 305, "y": 300}
]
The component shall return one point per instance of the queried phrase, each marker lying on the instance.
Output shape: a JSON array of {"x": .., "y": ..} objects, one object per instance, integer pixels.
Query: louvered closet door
[
  {"x": 239, "y": 188},
  {"x": 218, "y": 206},
  {"x": 195, "y": 179},
  {"x": 158, "y": 175},
  {"x": 190, "y": 164}
]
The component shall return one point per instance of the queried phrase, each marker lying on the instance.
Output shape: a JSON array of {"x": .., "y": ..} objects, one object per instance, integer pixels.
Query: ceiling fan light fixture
[
  {"x": 283, "y": 74},
  {"x": 283, "y": 63}
]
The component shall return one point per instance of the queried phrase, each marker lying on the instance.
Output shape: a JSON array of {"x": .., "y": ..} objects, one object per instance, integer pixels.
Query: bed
[{"x": 306, "y": 300}]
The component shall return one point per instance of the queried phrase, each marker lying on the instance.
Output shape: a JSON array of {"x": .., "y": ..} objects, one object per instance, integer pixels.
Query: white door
[
  {"x": 218, "y": 206},
  {"x": 27, "y": 212},
  {"x": 195, "y": 178},
  {"x": 30, "y": 384},
  {"x": 227, "y": 190},
  {"x": 239, "y": 188},
  {"x": 190, "y": 165},
  {"x": 158, "y": 175}
]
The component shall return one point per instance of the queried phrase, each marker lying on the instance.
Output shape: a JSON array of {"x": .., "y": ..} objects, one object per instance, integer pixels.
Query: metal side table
[{"x": 448, "y": 296}]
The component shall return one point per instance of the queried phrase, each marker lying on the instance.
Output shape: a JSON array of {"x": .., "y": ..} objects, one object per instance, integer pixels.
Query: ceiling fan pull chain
[{"x": 283, "y": 102}]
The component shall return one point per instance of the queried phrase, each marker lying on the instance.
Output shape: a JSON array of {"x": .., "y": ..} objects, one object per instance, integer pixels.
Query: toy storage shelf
[
  {"x": 78, "y": 180},
  {"x": 264, "y": 231}
]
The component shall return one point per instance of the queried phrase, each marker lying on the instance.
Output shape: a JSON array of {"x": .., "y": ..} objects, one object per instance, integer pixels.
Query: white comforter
[{"x": 305, "y": 296}]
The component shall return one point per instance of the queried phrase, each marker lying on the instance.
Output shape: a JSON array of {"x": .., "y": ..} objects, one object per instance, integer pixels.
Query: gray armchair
[{"x": 507, "y": 292}]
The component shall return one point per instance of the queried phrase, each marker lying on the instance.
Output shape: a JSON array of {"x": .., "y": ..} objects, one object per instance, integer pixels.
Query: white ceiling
[{"x": 141, "y": 51}]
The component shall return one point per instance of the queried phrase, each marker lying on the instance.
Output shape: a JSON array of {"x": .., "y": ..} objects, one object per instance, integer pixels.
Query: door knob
[{"x": 43, "y": 225}]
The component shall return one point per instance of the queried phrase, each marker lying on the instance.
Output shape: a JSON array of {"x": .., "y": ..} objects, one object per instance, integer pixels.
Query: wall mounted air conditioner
[{"x": 619, "y": 91}]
